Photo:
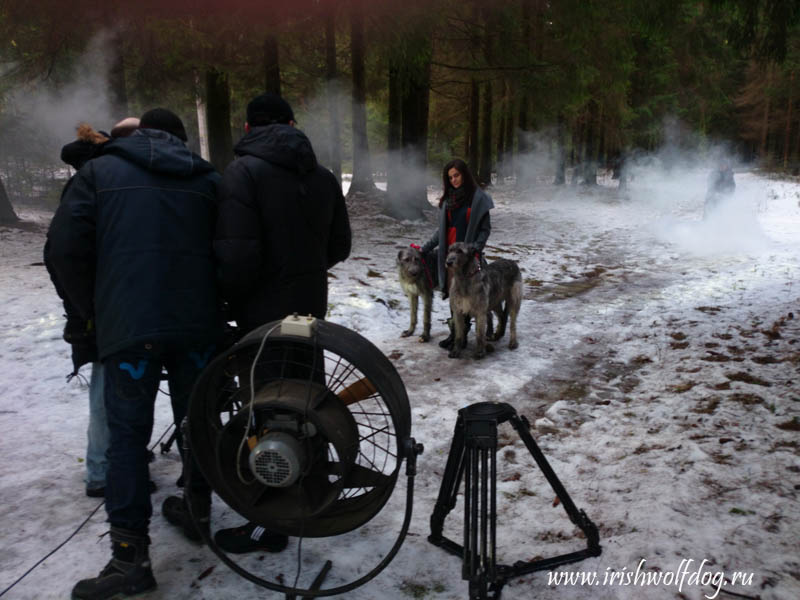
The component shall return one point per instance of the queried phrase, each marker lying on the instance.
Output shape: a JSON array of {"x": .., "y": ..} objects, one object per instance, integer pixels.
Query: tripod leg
[
  {"x": 578, "y": 517},
  {"x": 484, "y": 454},
  {"x": 472, "y": 512},
  {"x": 451, "y": 480},
  {"x": 493, "y": 517}
]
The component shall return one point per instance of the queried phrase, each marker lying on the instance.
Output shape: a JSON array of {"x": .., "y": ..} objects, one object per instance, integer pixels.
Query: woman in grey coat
[{"x": 463, "y": 217}]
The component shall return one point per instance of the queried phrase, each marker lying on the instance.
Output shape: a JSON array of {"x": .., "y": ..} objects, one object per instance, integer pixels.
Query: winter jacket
[
  {"x": 478, "y": 229},
  {"x": 282, "y": 224},
  {"x": 131, "y": 243},
  {"x": 78, "y": 332}
]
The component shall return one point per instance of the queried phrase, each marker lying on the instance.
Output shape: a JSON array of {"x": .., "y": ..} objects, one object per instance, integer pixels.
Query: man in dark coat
[
  {"x": 282, "y": 224},
  {"x": 131, "y": 244},
  {"x": 282, "y": 221},
  {"x": 80, "y": 333}
]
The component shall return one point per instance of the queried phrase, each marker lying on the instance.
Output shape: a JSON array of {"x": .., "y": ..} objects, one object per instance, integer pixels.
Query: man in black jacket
[
  {"x": 282, "y": 224},
  {"x": 282, "y": 221},
  {"x": 131, "y": 244}
]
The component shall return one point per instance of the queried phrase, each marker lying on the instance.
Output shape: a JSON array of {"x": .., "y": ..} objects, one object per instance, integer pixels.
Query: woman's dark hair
[{"x": 467, "y": 180}]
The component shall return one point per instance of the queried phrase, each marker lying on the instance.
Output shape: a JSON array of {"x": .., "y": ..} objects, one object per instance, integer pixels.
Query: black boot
[
  {"x": 448, "y": 342},
  {"x": 127, "y": 573},
  {"x": 176, "y": 511}
]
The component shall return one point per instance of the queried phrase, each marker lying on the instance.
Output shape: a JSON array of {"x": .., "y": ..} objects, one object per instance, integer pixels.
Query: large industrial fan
[{"x": 301, "y": 427}]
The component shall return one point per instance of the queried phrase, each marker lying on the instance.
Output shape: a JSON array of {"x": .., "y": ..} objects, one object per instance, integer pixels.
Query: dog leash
[{"x": 424, "y": 265}]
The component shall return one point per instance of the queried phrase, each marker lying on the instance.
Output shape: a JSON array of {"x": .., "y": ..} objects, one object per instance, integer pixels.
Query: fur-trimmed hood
[
  {"x": 87, "y": 133},
  {"x": 88, "y": 145}
]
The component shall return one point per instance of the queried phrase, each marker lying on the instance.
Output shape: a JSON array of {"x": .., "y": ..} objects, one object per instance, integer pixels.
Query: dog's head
[
  {"x": 460, "y": 256},
  {"x": 409, "y": 261}
]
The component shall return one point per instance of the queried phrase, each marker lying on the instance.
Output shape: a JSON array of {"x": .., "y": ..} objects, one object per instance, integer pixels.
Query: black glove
[
  {"x": 78, "y": 331},
  {"x": 80, "y": 334}
]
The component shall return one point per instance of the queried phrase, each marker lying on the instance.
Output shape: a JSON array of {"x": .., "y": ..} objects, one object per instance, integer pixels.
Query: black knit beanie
[
  {"x": 268, "y": 109},
  {"x": 163, "y": 120}
]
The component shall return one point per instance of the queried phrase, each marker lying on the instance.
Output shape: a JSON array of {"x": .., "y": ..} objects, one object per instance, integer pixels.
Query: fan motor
[{"x": 277, "y": 459}]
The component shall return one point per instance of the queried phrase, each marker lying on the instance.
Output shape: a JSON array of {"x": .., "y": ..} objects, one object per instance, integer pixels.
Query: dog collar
[{"x": 477, "y": 267}]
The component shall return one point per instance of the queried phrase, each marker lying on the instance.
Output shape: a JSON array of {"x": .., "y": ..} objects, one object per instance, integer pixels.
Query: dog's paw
[
  {"x": 489, "y": 348},
  {"x": 479, "y": 354},
  {"x": 513, "y": 345},
  {"x": 425, "y": 337},
  {"x": 454, "y": 353},
  {"x": 407, "y": 333}
]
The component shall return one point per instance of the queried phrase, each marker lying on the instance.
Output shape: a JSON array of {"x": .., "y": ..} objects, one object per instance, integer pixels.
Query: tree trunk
[
  {"x": 409, "y": 94},
  {"x": 786, "y": 142},
  {"x": 501, "y": 144},
  {"x": 333, "y": 94},
  {"x": 202, "y": 118},
  {"x": 415, "y": 104},
  {"x": 7, "y": 214},
  {"x": 117, "y": 90},
  {"x": 272, "y": 71},
  {"x": 362, "y": 182},
  {"x": 590, "y": 149},
  {"x": 765, "y": 120},
  {"x": 796, "y": 170},
  {"x": 474, "y": 125},
  {"x": 218, "y": 117},
  {"x": 395, "y": 130},
  {"x": 523, "y": 146},
  {"x": 508, "y": 150},
  {"x": 485, "y": 170},
  {"x": 118, "y": 94},
  {"x": 561, "y": 152}
]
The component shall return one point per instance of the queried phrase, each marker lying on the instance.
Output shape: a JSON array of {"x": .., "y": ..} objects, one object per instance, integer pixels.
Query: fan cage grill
[
  {"x": 361, "y": 469},
  {"x": 377, "y": 435}
]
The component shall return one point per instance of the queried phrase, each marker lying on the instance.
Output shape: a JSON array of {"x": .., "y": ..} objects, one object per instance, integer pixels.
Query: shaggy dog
[
  {"x": 475, "y": 292},
  {"x": 418, "y": 279}
]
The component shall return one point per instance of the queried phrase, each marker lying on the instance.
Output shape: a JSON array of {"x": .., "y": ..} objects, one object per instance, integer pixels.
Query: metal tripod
[{"x": 473, "y": 458}]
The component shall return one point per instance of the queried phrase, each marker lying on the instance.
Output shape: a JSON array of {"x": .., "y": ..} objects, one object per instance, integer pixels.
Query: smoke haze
[{"x": 51, "y": 114}]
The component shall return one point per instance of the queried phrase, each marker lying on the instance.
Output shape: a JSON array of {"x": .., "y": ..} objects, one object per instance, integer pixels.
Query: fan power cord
[
  {"x": 73, "y": 534},
  {"x": 252, "y": 402}
]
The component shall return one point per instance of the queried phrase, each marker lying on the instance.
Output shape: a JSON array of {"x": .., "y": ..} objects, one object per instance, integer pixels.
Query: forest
[{"x": 391, "y": 89}]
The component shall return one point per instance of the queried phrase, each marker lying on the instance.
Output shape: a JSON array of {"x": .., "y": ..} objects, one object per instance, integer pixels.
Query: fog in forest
[
  {"x": 661, "y": 188},
  {"x": 45, "y": 117}
]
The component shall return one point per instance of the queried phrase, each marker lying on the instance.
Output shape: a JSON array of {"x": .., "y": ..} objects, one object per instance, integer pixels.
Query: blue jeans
[
  {"x": 97, "y": 433},
  {"x": 132, "y": 377}
]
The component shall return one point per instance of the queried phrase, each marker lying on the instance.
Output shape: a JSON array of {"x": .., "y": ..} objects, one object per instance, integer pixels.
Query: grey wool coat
[{"x": 478, "y": 230}]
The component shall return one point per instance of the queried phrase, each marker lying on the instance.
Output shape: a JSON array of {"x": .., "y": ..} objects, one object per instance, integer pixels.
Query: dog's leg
[
  {"x": 414, "y": 300},
  {"x": 460, "y": 332},
  {"x": 427, "y": 305},
  {"x": 489, "y": 326},
  {"x": 502, "y": 319},
  {"x": 480, "y": 335},
  {"x": 513, "y": 306}
]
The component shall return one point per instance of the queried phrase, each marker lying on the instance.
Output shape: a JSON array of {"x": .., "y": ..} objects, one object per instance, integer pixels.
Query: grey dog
[
  {"x": 475, "y": 291},
  {"x": 418, "y": 280}
]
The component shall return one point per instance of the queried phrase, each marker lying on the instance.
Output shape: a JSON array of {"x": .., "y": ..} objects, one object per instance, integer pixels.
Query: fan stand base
[
  {"x": 473, "y": 458},
  {"x": 317, "y": 583}
]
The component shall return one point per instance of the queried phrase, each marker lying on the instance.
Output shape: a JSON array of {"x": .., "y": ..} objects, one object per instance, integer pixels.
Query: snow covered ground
[{"x": 659, "y": 362}]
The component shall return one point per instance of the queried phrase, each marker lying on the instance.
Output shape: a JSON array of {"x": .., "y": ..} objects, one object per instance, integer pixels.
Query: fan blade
[
  {"x": 362, "y": 477},
  {"x": 356, "y": 392}
]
